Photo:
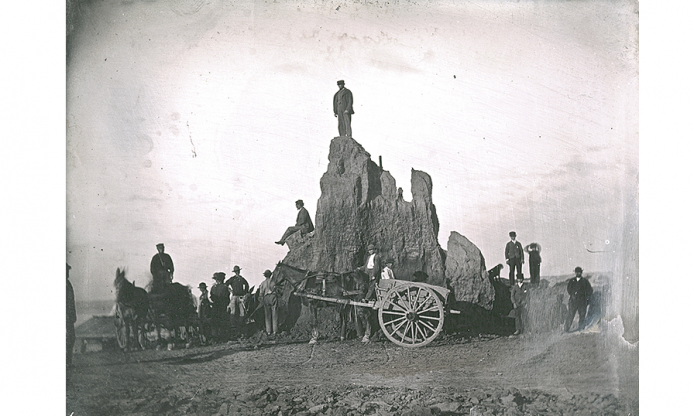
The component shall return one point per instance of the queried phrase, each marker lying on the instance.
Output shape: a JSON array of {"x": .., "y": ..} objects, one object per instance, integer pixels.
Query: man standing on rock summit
[
  {"x": 342, "y": 108},
  {"x": 514, "y": 257},
  {"x": 303, "y": 223}
]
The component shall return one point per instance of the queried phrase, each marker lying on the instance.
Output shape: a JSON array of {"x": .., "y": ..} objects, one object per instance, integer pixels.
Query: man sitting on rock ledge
[{"x": 303, "y": 223}]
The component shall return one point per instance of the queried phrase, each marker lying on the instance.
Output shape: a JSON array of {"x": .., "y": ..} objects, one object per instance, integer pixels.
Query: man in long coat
[
  {"x": 342, "y": 107},
  {"x": 580, "y": 292},
  {"x": 303, "y": 223},
  {"x": 162, "y": 269}
]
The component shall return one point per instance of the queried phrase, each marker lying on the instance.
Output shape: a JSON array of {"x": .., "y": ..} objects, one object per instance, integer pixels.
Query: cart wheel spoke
[
  {"x": 398, "y": 313},
  {"x": 433, "y": 308},
  {"x": 426, "y": 325},
  {"x": 423, "y": 303}
]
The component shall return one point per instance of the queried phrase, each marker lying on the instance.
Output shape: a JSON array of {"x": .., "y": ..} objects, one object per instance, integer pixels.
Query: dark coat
[
  {"x": 303, "y": 220},
  {"x": 239, "y": 285},
  {"x": 219, "y": 295},
  {"x": 514, "y": 248},
  {"x": 579, "y": 290},
  {"x": 518, "y": 295},
  {"x": 161, "y": 263},
  {"x": 71, "y": 313},
  {"x": 343, "y": 101},
  {"x": 534, "y": 257},
  {"x": 377, "y": 265}
]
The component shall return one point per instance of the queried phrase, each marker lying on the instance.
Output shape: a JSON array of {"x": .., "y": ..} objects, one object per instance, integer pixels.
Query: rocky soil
[{"x": 555, "y": 374}]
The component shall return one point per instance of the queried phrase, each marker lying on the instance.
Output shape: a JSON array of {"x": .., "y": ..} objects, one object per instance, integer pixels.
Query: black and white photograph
[{"x": 343, "y": 208}]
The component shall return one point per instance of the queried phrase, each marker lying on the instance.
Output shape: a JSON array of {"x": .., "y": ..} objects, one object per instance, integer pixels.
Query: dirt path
[{"x": 566, "y": 368}]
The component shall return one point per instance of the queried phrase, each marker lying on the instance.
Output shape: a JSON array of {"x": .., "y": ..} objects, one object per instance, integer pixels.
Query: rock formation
[{"x": 360, "y": 204}]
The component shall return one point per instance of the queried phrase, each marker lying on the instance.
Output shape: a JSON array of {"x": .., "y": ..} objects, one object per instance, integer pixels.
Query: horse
[
  {"x": 173, "y": 309},
  {"x": 347, "y": 286},
  {"x": 132, "y": 307}
]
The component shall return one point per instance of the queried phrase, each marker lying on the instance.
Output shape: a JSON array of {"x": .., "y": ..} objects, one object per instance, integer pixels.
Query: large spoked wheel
[{"x": 411, "y": 315}]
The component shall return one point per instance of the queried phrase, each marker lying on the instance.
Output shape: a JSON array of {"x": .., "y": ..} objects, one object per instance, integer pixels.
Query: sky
[{"x": 199, "y": 123}]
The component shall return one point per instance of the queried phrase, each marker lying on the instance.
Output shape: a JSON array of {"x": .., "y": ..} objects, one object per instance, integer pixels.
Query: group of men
[
  {"x": 224, "y": 305},
  {"x": 515, "y": 260},
  {"x": 580, "y": 292}
]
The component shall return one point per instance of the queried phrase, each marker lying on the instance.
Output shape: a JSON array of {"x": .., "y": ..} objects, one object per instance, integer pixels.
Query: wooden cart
[{"x": 411, "y": 314}]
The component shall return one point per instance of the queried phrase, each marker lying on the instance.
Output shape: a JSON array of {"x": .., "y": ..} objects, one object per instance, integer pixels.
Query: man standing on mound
[
  {"x": 342, "y": 107},
  {"x": 580, "y": 292},
  {"x": 303, "y": 223},
  {"x": 514, "y": 257}
]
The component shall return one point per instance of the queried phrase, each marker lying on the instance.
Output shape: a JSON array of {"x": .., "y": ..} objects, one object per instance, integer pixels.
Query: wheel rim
[{"x": 412, "y": 315}]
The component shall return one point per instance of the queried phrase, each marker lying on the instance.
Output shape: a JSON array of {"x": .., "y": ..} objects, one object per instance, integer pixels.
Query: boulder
[{"x": 466, "y": 272}]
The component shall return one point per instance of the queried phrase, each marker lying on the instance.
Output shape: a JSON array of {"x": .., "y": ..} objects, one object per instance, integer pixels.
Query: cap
[
  {"x": 512, "y": 234},
  {"x": 267, "y": 273},
  {"x": 578, "y": 269},
  {"x": 202, "y": 285},
  {"x": 160, "y": 245},
  {"x": 237, "y": 269},
  {"x": 341, "y": 82}
]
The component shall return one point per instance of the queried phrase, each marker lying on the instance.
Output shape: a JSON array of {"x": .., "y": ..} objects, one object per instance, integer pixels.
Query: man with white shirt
[{"x": 387, "y": 272}]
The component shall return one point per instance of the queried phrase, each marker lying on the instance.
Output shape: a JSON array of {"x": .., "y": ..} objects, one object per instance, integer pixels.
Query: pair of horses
[{"x": 137, "y": 311}]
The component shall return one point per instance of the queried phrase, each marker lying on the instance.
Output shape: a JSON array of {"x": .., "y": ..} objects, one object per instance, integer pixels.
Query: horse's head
[{"x": 120, "y": 278}]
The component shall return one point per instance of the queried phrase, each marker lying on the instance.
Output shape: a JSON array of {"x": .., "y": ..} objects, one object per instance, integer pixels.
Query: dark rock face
[
  {"x": 360, "y": 205},
  {"x": 466, "y": 272}
]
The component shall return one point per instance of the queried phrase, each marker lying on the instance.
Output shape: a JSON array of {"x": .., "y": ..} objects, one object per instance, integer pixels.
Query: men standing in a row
[
  {"x": 239, "y": 289},
  {"x": 303, "y": 223},
  {"x": 580, "y": 292},
  {"x": 342, "y": 107},
  {"x": 514, "y": 257},
  {"x": 162, "y": 269},
  {"x": 71, "y": 318},
  {"x": 266, "y": 295}
]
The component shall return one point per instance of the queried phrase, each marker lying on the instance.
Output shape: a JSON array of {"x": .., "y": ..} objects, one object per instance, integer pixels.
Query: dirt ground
[{"x": 574, "y": 373}]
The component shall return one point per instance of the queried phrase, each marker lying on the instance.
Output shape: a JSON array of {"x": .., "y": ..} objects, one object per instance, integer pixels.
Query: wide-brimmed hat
[
  {"x": 219, "y": 276},
  {"x": 202, "y": 285},
  {"x": 578, "y": 269},
  {"x": 237, "y": 269},
  {"x": 267, "y": 273},
  {"x": 299, "y": 201}
]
